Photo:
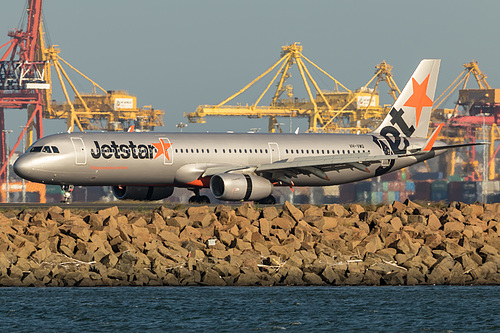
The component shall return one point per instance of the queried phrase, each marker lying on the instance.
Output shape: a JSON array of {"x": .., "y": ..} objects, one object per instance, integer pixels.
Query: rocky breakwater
[{"x": 398, "y": 244}]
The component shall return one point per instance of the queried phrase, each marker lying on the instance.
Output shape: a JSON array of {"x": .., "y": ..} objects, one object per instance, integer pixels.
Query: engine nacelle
[
  {"x": 143, "y": 193},
  {"x": 235, "y": 186}
]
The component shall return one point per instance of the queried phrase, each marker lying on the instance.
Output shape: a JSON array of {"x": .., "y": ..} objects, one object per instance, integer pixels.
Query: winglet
[
  {"x": 432, "y": 138},
  {"x": 131, "y": 128}
]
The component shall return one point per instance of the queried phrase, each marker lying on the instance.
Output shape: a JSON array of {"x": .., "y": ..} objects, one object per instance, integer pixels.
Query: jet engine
[
  {"x": 144, "y": 193},
  {"x": 235, "y": 186}
]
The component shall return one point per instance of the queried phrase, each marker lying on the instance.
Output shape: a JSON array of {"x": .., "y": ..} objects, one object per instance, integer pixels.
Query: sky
[{"x": 176, "y": 55}]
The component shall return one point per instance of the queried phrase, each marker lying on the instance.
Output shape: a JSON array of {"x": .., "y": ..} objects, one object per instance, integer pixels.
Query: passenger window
[
  {"x": 176, "y": 150},
  {"x": 250, "y": 151},
  {"x": 266, "y": 151},
  {"x": 240, "y": 151},
  {"x": 46, "y": 149},
  {"x": 261, "y": 151},
  {"x": 224, "y": 151},
  {"x": 36, "y": 149},
  {"x": 197, "y": 151},
  {"x": 322, "y": 151},
  {"x": 245, "y": 151},
  {"x": 302, "y": 151},
  {"x": 55, "y": 149},
  {"x": 343, "y": 151}
]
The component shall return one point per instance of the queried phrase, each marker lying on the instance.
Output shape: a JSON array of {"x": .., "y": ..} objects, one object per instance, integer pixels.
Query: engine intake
[
  {"x": 235, "y": 186},
  {"x": 143, "y": 193}
]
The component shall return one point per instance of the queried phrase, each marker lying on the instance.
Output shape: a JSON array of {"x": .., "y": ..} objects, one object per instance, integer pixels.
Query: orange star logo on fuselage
[{"x": 162, "y": 149}]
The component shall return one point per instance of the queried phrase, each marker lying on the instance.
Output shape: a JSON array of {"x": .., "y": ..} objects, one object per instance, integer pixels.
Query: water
[{"x": 251, "y": 309}]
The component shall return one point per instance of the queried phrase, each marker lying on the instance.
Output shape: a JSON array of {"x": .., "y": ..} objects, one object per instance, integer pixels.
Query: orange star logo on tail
[
  {"x": 162, "y": 149},
  {"x": 419, "y": 98}
]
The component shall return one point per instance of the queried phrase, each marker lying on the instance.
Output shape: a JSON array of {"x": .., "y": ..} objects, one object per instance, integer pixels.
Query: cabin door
[
  {"x": 79, "y": 146},
  {"x": 274, "y": 150},
  {"x": 168, "y": 152}
]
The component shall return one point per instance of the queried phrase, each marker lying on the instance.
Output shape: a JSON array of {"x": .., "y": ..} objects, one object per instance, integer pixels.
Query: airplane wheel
[
  {"x": 199, "y": 199},
  {"x": 204, "y": 200},
  {"x": 270, "y": 200}
]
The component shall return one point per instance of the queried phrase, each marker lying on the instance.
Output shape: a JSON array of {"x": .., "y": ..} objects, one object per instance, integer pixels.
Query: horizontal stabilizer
[{"x": 461, "y": 145}]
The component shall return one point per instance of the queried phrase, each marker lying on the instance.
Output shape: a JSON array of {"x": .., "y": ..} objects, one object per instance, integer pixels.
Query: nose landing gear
[{"x": 67, "y": 191}]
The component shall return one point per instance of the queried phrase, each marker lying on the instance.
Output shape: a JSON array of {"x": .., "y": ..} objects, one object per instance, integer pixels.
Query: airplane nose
[{"x": 23, "y": 167}]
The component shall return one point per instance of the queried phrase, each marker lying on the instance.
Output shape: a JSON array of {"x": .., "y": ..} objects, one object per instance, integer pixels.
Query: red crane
[{"x": 22, "y": 77}]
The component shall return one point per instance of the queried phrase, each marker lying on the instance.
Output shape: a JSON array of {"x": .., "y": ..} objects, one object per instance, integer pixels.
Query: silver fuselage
[{"x": 110, "y": 158}]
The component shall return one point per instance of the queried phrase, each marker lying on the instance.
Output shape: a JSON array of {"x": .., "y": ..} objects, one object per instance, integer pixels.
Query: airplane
[{"x": 239, "y": 166}]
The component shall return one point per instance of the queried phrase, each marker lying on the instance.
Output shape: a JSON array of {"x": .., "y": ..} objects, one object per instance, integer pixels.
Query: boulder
[{"x": 293, "y": 211}]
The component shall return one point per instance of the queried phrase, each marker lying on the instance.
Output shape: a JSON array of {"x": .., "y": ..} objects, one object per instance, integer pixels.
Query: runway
[{"x": 122, "y": 205}]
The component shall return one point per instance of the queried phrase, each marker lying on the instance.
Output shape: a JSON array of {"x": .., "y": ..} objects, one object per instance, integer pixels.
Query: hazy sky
[{"x": 176, "y": 55}]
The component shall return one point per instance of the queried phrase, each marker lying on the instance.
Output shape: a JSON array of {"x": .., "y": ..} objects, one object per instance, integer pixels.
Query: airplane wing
[{"x": 286, "y": 169}]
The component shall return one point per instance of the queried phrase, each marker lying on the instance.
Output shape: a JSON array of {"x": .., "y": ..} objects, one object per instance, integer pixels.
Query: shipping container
[
  {"x": 427, "y": 176},
  {"x": 437, "y": 195},
  {"x": 377, "y": 198},
  {"x": 347, "y": 193},
  {"x": 410, "y": 186},
  {"x": 422, "y": 191},
  {"x": 455, "y": 191}
]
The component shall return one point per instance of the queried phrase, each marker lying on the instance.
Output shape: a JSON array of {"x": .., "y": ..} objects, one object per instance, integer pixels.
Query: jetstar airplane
[{"x": 147, "y": 166}]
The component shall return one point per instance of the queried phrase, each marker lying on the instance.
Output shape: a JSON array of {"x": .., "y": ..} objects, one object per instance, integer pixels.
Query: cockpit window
[{"x": 44, "y": 149}]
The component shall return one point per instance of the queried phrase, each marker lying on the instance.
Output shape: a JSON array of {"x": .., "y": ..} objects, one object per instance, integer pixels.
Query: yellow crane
[
  {"x": 111, "y": 110},
  {"x": 322, "y": 107}
]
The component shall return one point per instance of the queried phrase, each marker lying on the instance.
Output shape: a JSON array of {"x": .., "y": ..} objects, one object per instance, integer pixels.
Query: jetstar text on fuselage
[{"x": 130, "y": 150}]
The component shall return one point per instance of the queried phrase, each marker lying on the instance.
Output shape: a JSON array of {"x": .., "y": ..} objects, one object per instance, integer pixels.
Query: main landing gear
[
  {"x": 270, "y": 200},
  {"x": 197, "y": 198},
  {"x": 67, "y": 191}
]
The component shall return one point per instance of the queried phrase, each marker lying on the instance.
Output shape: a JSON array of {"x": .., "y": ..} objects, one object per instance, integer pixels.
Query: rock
[
  {"x": 248, "y": 211},
  {"x": 211, "y": 278},
  {"x": 264, "y": 227},
  {"x": 270, "y": 213},
  {"x": 111, "y": 211},
  {"x": 356, "y": 209},
  {"x": 247, "y": 279},
  {"x": 189, "y": 233},
  {"x": 80, "y": 232},
  {"x": 293, "y": 211},
  {"x": 293, "y": 277},
  {"x": 393, "y": 279},
  {"x": 451, "y": 227},
  {"x": 418, "y": 219},
  {"x": 312, "y": 279},
  {"x": 335, "y": 210}
]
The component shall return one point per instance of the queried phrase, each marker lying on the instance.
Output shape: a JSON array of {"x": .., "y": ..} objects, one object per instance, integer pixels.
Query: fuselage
[{"x": 180, "y": 159}]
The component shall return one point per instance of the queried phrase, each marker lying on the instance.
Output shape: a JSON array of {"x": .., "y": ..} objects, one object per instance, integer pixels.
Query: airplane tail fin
[{"x": 411, "y": 113}]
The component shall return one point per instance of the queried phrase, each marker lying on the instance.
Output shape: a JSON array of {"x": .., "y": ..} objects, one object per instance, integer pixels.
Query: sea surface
[{"x": 251, "y": 309}]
